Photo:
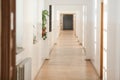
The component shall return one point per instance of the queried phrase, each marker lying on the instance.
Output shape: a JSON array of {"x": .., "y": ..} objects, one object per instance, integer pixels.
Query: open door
[{"x": 8, "y": 43}]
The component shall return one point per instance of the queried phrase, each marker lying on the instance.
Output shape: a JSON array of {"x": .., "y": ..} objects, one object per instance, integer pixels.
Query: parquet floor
[{"x": 67, "y": 61}]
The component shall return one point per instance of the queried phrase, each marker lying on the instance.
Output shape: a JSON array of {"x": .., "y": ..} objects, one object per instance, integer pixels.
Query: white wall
[
  {"x": 118, "y": 51},
  {"x": 30, "y": 12},
  {"x": 19, "y": 23},
  {"x": 68, "y": 2},
  {"x": 97, "y": 24},
  {"x": 113, "y": 44},
  {"x": 92, "y": 33},
  {"x": 118, "y": 44},
  {"x": 88, "y": 30},
  {"x": 84, "y": 24}
]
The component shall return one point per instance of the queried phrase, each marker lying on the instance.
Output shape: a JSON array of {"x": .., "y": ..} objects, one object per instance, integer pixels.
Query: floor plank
[{"x": 67, "y": 61}]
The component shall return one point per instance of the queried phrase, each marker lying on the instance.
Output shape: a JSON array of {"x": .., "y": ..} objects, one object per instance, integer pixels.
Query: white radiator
[{"x": 24, "y": 70}]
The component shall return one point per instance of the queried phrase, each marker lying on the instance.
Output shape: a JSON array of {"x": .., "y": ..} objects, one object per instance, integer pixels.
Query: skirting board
[{"x": 93, "y": 67}]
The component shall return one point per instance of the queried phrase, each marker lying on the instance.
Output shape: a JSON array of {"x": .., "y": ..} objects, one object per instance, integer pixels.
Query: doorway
[{"x": 68, "y": 22}]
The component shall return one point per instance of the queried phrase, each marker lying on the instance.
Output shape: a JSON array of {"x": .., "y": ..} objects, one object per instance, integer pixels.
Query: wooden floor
[{"x": 67, "y": 61}]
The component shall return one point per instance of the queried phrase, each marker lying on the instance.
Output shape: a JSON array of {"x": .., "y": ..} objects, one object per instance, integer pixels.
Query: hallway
[{"x": 67, "y": 61}]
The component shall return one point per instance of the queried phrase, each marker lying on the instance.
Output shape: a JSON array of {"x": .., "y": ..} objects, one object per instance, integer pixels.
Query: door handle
[{"x": 12, "y": 21}]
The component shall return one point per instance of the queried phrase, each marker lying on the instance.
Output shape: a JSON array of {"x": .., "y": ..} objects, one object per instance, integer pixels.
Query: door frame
[
  {"x": 101, "y": 40},
  {"x": 61, "y": 21},
  {"x": 74, "y": 20},
  {"x": 8, "y": 40}
]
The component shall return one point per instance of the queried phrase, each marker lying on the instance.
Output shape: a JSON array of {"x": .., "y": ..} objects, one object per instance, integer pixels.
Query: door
[
  {"x": 0, "y": 38},
  {"x": 67, "y": 22},
  {"x": 8, "y": 43}
]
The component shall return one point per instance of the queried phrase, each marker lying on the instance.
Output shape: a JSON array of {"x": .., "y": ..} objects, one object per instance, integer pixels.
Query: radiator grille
[{"x": 24, "y": 70}]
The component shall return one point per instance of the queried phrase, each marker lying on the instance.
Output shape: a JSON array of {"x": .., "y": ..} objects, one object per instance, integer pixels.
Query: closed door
[{"x": 67, "y": 22}]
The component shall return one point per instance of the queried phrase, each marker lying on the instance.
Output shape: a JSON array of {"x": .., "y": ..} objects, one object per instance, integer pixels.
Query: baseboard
[
  {"x": 35, "y": 78},
  {"x": 44, "y": 60},
  {"x": 94, "y": 68},
  {"x": 87, "y": 60}
]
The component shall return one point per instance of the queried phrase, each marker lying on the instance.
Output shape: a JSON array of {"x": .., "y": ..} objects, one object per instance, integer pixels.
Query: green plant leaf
[{"x": 44, "y": 21}]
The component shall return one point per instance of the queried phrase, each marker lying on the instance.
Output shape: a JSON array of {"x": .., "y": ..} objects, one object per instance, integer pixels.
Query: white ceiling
[{"x": 68, "y": 2}]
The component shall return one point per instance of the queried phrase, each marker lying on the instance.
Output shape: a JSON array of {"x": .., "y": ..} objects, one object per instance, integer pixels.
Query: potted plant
[{"x": 44, "y": 22}]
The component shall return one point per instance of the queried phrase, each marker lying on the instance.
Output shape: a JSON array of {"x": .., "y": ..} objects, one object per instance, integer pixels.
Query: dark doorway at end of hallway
[{"x": 68, "y": 22}]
